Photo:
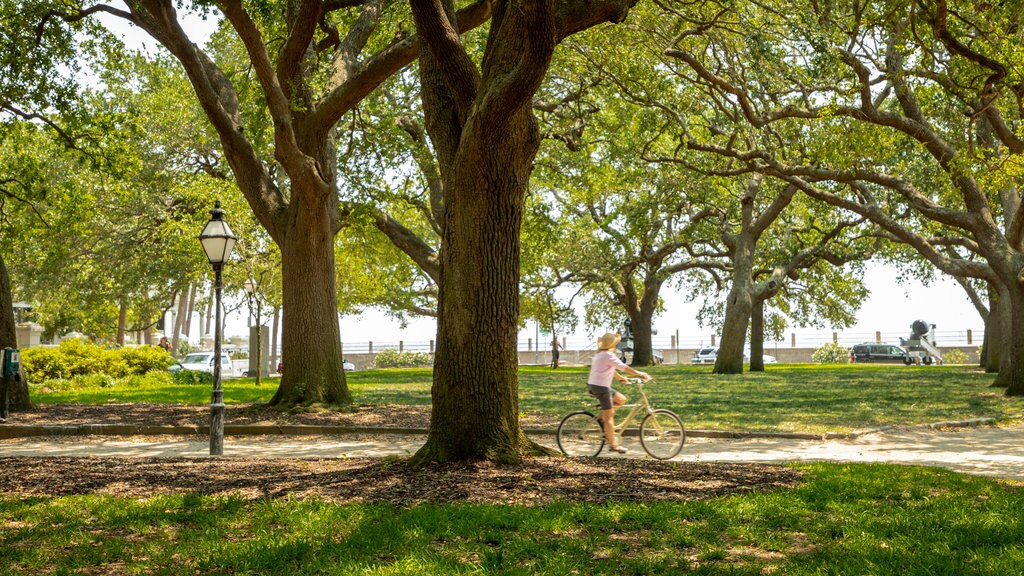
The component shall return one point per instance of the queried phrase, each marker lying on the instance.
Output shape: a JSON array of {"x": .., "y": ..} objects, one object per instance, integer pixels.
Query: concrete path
[{"x": 987, "y": 451}]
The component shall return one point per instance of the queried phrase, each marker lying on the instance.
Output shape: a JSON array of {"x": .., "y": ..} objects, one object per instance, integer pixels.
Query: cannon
[{"x": 921, "y": 344}]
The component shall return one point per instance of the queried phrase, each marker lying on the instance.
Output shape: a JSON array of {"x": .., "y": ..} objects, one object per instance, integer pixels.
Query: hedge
[{"x": 80, "y": 358}]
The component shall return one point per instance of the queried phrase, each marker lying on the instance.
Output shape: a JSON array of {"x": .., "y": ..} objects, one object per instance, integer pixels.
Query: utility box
[
  {"x": 11, "y": 371},
  {"x": 11, "y": 363}
]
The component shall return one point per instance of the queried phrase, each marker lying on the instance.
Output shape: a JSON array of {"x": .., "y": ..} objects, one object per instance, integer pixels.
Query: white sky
[{"x": 890, "y": 309}]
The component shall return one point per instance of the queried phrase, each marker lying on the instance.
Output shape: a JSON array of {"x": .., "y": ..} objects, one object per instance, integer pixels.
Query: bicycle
[{"x": 661, "y": 431}]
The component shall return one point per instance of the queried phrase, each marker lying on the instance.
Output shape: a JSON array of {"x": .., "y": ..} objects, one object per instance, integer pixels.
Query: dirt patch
[
  {"x": 535, "y": 482},
  {"x": 402, "y": 416}
]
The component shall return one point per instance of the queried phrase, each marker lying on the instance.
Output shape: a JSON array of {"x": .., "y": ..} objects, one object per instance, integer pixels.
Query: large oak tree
[
  {"x": 313, "y": 62},
  {"x": 485, "y": 136},
  {"x": 906, "y": 113}
]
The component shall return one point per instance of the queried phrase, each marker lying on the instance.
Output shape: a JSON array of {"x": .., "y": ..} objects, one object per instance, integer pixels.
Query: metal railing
[{"x": 799, "y": 339}]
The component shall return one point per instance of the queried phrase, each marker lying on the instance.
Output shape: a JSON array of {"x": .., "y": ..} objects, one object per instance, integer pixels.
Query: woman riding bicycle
[{"x": 602, "y": 369}]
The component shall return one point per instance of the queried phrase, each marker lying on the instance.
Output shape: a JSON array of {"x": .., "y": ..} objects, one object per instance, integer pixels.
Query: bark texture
[
  {"x": 311, "y": 339},
  {"x": 757, "y": 337},
  {"x": 485, "y": 136},
  {"x": 19, "y": 397}
]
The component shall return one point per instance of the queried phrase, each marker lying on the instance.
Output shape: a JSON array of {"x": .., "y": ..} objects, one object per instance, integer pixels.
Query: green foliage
[
  {"x": 192, "y": 377},
  {"x": 143, "y": 359},
  {"x": 955, "y": 357},
  {"x": 81, "y": 358},
  {"x": 831, "y": 353},
  {"x": 100, "y": 382},
  {"x": 184, "y": 348},
  {"x": 392, "y": 358},
  {"x": 239, "y": 355}
]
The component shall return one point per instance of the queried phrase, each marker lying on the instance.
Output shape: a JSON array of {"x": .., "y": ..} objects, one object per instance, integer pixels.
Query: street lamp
[
  {"x": 218, "y": 240},
  {"x": 251, "y": 290}
]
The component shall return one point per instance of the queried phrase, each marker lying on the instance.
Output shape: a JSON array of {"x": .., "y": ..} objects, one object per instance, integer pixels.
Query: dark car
[{"x": 880, "y": 353}]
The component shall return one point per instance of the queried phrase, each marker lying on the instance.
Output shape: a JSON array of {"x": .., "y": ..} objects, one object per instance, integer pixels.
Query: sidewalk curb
[
  {"x": 973, "y": 422},
  {"x": 9, "y": 431}
]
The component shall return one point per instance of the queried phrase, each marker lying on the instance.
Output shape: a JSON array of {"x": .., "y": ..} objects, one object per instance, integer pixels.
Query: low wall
[{"x": 682, "y": 356}]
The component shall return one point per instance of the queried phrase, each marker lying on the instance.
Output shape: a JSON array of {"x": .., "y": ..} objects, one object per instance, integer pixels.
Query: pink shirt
[{"x": 602, "y": 368}]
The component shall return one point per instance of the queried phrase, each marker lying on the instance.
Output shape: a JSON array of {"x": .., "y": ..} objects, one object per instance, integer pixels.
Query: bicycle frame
[{"x": 642, "y": 405}]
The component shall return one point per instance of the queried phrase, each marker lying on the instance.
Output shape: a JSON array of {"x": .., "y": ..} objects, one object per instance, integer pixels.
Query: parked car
[
  {"x": 705, "y": 356},
  {"x": 203, "y": 362},
  {"x": 710, "y": 355},
  {"x": 871, "y": 352}
]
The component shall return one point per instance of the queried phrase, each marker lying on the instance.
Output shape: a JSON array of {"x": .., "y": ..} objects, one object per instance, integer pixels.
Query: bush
[
  {"x": 143, "y": 359},
  {"x": 831, "y": 353},
  {"x": 87, "y": 381},
  {"x": 184, "y": 348},
  {"x": 79, "y": 358},
  {"x": 192, "y": 377},
  {"x": 391, "y": 358},
  {"x": 239, "y": 355},
  {"x": 954, "y": 357}
]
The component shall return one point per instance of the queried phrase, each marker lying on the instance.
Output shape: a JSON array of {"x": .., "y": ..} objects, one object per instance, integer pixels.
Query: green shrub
[
  {"x": 192, "y": 377},
  {"x": 831, "y": 353},
  {"x": 92, "y": 381},
  {"x": 79, "y": 358},
  {"x": 392, "y": 358},
  {"x": 239, "y": 355},
  {"x": 955, "y": 357},
  {"x": 184, "y": 348},
  {"x": 143, "y": 359}
]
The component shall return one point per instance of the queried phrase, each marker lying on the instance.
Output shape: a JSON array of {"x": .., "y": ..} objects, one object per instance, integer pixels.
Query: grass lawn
[
  {"x": 840, "y": 519},
  {"x": 793, "y": 398}
]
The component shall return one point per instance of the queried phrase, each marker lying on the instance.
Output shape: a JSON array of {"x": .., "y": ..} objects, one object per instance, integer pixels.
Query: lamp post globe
[{"x": 218, "y": 241}]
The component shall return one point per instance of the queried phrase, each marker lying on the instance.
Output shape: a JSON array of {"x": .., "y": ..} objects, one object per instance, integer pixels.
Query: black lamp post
[{"x": 218, "y": 240}]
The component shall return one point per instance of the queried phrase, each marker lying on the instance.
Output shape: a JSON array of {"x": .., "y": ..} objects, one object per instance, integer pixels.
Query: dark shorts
[{"x": 604, "y": 395}]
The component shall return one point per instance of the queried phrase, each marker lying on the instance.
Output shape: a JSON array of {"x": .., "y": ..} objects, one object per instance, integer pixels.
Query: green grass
[
  {"x": 842, "y": 519},
  {"x": 792, "y": 398}
]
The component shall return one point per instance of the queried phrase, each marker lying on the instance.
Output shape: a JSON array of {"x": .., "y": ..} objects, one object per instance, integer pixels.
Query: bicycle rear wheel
[
  {"x": 662, "y": 434},
  {"x": 580, "y": 434}
]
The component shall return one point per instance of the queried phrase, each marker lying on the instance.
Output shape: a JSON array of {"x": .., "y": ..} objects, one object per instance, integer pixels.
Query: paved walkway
[{"x": 987, "y": 451}]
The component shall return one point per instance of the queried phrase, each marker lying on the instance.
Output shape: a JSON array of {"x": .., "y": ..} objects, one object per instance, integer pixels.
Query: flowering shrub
[
  {"x": 831, "y": 353},
  {"x": 955, "y": 357},
  {"x": 391, "y": 358}
]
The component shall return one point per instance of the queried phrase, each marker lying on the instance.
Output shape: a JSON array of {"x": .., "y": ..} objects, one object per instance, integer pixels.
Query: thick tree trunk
[
  {"x": 757, "y": 337},
  {"x": 990, "y": 347},
  {"x": 642, "y": 328},
  {"x": 18, "y": 391},
  {"x": 122, "y": 323},
  {"x": 1015, "y": 380},
  {"x": 1003, "y": 348},
  {"x": 734, "y": 331},
  {"x": 311, "y": 341},
  {"x": 475, "y": 391}
]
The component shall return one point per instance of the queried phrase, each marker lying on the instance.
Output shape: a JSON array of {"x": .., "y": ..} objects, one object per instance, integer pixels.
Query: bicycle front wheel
[
  {"x": 580, "y": 434},
  {"x": 662, "y": 434}
]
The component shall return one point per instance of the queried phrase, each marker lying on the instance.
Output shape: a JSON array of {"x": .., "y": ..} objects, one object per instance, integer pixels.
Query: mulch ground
[
  {"x": 401, "y": 416},
  {"x": 535, "y": 482}
]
